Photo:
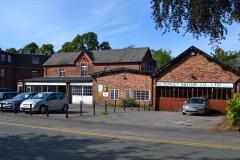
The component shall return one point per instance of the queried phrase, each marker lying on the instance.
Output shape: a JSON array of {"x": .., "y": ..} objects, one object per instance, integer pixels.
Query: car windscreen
[
  {"x": 195, "y": 100},
  {"x": 40, "y": 96},
  {"x": 22, "y": 96}
]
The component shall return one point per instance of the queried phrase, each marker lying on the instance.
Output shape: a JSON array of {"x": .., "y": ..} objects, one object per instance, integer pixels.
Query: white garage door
[{"x": 82, "y": 93}]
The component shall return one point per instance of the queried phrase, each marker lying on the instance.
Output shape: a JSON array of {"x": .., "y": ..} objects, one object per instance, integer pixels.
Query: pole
[
  {"x": 124, "y": 106},
  {"x": 15, "y": 109},
  {"x": 47, "y": 112},
  {"x": 81, "y": 108},
  {"x": 138, "y": 108},
  {"x": 115, "y": 104},
  {"x": 31, "y": 109},
  {"x": 2, "y": 107},
  {"x": 144, "y": 106},
  {"x": 149, "y": 106},
  {"x": 67, "y": 111},
  {"x": 105, "y": 106},
  {"x": 94, "y": 108}
]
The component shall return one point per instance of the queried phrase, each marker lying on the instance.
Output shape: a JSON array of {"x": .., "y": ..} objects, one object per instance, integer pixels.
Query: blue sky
[{"x": 122, "y": 23}]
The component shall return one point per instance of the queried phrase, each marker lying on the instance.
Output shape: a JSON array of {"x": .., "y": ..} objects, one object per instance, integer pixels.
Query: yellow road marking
[{"x": 123, "y": 137}]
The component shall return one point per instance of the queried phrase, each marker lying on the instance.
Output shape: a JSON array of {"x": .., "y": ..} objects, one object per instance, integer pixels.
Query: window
[
  {"x": 61, "y": 72},
  {"x": 35, "y": 60},
  {"x": 107, "y": 68},
  {"x": 53, "y": 96},
  {"x": 141, "y": 95},
  {"x": 2, "y": 73},
  {"x": 114, "y": 93},
  {"x": 61, "y": 96},
  {"x": 35, "y": 74},
  {"x": 84, "y": 69},
  {"x": 9, "y": 59},
  {"x": 82, "y": 90},
  {"x": 2, "y": 57},
  {"x": 127, "y": 93}
]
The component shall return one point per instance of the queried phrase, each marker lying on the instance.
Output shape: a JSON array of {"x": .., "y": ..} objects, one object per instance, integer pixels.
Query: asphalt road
[{"x": 38, "y": 141}]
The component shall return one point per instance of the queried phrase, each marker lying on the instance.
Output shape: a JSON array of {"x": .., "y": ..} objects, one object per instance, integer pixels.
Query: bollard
[
  {"x": 105, "y": 106},
  {"x": 94, "y": 108},
  {"x": 139, "y": 104},
  {"x": 149, "y": 106},
  {"x": 144, "y": 106},
  {"x": 124, "y": 106},
  {"x": 1, "y": 107},
  {"x": 138, "y": 107},
  {"x": 47, "y": 111},
  {"x": 115, "y": 104},
  {"x": 81, "y": 108},
  {"x": 66, "y": 111},
  {"x": 15, "y": 109},
  {"x": 31, "y": 109}
]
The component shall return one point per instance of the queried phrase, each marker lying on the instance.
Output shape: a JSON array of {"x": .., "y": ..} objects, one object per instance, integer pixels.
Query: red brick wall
[
  {"x": 197, "y": 69},
  {"x": 115, "y": 81},
  {"x": 73, "y": 70}
]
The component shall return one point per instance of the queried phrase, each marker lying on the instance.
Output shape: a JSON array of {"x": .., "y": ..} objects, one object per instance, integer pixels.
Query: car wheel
[
  {"x": 42, "y": 109},
  {"x": 183, "y": 113},
  {"x": 64, "y": 109}
]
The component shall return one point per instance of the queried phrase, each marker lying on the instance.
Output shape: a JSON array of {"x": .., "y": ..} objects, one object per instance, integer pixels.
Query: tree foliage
[
  {"x": 30, "y": 48},
  {"x": 162, "y": 57},
  {"x": 228, "y": 58},
  {"x": 46, "y": 49},
  {"x": 198, "y": 17},
  {"x": 233, "y": 109},
  {"x": 87, "y": 41},
  {"x": 11, "y": 50}
]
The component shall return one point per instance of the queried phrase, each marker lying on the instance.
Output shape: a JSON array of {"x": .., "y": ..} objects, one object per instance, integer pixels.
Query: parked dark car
[
  {"x": 7, "y": 95},
  {"x": 197, "y": 105},
  {"x": 11, "y": 104}
]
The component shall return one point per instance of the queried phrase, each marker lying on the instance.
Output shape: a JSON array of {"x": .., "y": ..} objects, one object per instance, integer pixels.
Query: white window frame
[
  {"x": 113, "y": 94},
  {"x": 84, "y": 69},
  {"x": 139, "y": 97},
  {"x": 129, "y": 93},
  {"x": 61, "y": 72},
  {"x": 82, "y": 90},
  {"x": 35, "y": 60}
]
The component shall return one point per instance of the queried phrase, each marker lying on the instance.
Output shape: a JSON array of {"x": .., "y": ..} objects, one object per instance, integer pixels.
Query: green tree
[
  {"x": 31, "y": 48},
  {"x": 162, "y": 57},
  {"x": 227, "y": 58},
  {"x": 87, "y": 41},
  {"x": 11, "y": 50},
  {"x": 198, "y": 17},
  {"x": 233, "y": 109},
  {"x": 104, "y": 46},
  {"x": 46, "y": 49}
]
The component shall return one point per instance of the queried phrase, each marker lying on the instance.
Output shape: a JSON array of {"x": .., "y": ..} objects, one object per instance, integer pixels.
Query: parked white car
[{"x": 39, "y": 102}]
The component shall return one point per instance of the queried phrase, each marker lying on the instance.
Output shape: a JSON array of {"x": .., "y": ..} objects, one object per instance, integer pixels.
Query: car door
[
  {"x": 62, "y": 100},
  {"x": 52, "y": 101}
]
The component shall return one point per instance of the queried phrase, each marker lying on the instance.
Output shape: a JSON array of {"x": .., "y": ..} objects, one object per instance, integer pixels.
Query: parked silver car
[
  {"x": 54, "y": 100},
  {"x": 11, "y": 104},
  {"x": 198, "y": 105}
]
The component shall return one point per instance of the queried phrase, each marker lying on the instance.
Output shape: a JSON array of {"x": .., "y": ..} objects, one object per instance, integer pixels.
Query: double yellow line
[{"x": 123, "y": 137}]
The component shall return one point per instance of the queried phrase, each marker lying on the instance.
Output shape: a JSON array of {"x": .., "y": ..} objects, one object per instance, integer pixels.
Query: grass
[{"x": 104, "y": 113}]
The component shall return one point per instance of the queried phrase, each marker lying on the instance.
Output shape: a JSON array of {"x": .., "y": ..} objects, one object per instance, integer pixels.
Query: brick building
[
  {"x": 194, "y": 74},
  {"x": 71, "y": 72},
  {"x": 14, "y": 67}
]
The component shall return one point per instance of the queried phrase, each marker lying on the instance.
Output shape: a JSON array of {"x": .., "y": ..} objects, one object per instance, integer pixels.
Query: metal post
[
  {"x": 144, "y": 106},
  {"x": 139, "y": 104},
  {"x": 138, "y": 108},
  {"x": 124, "y": 106},
  {"x": 115, "y": 104},
  {"x": 80, "y": 108},
  {"x": 1, "y": 107},
  {"x": 15, "y": 109},
  {"x": 31, "y": 109},
  {"x": 47, "y": 111},
  {"x": 67, "y": 111},
  {"x": 105, "y": 106},
  {"x": 94, "y": 108},
  {"x": 149, "y": 106}
]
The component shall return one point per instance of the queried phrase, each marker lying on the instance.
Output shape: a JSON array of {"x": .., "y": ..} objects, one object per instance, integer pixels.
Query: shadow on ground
[{"x": 42, "y": 147}]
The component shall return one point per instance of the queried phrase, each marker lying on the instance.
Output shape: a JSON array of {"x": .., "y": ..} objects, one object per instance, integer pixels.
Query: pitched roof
[
  {"x": 62, "y": 59},
  {"x": 119, "y": 70},
  {"x": 188, "y": 52},
  {"x": 128, "y": 55}
]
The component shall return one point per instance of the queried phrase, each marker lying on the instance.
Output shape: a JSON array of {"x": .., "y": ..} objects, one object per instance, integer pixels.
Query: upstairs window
[
  {"x": 84, "y": 69},
  {"x": 35, "y": 74},
  {"x": 2, "y": 57},
  {"x": 61, "y": 72},
  {"x": 9, "y": 59},
  {"x": 35, "y": 60},
  {"x": 107, "y": 68},
  {"x": 2, "y": 74}
]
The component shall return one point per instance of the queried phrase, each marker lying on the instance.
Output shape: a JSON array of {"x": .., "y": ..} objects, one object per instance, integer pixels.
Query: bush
[
  {"x": 233, "y": 109},
  {"x": 129, "y": 102}
]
